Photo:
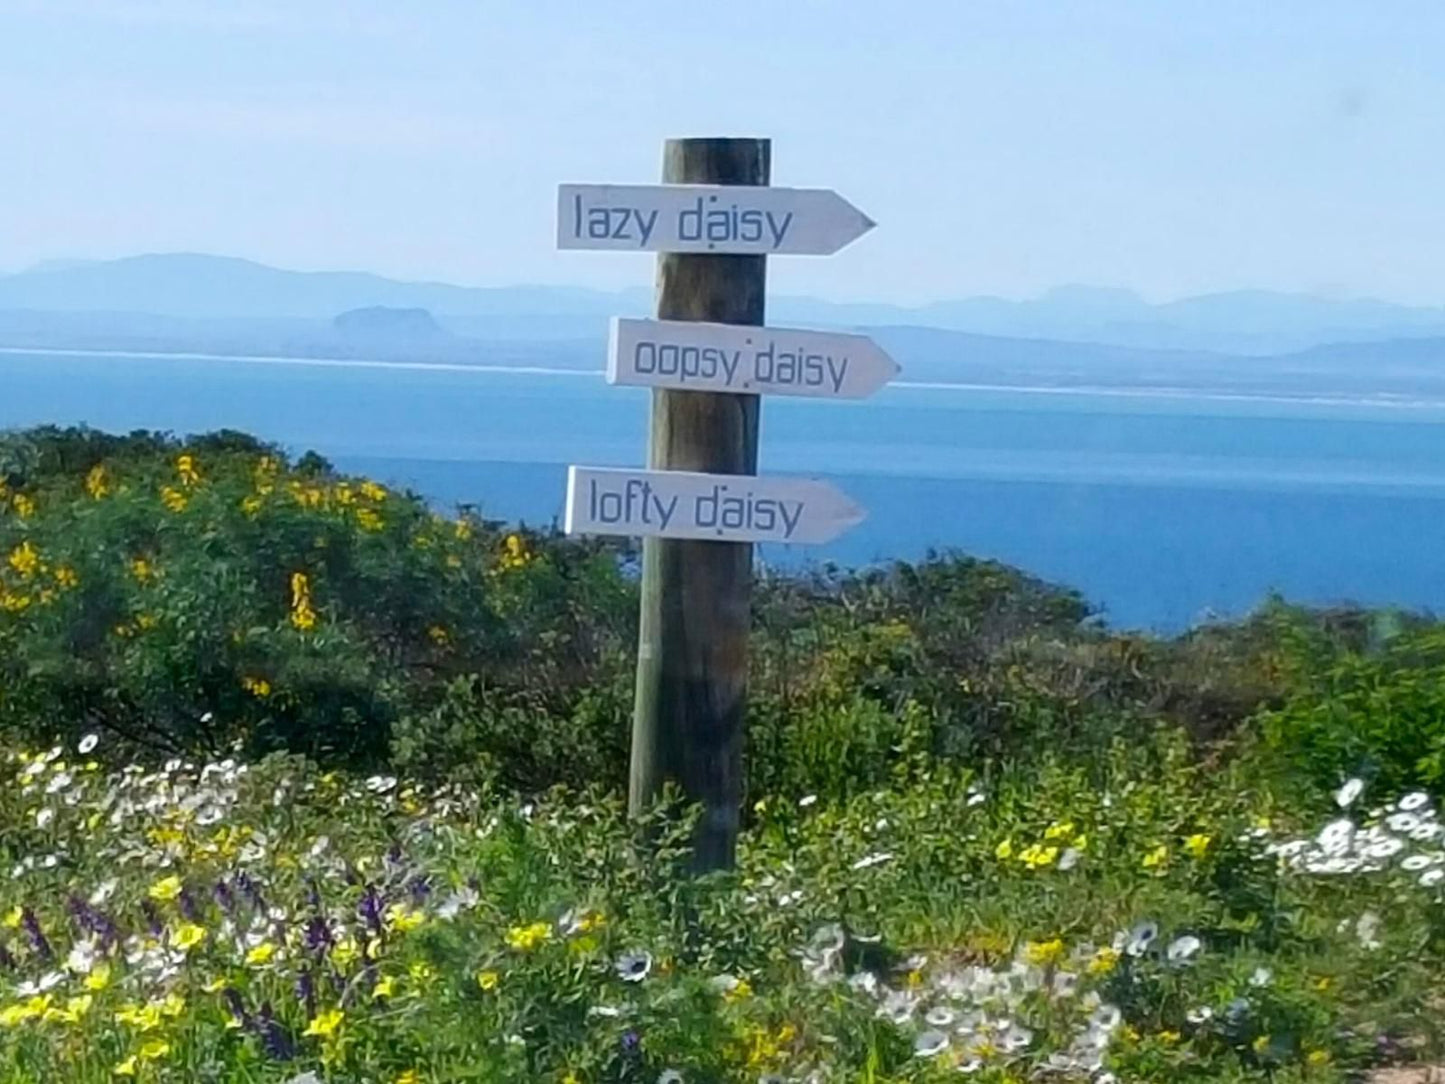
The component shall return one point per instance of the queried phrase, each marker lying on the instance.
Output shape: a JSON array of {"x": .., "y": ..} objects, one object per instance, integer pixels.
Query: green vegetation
[{"x": 297, "y": 777}]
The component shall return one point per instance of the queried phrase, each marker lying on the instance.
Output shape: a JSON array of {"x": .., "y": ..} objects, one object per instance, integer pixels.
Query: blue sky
[{"x": 1004, "y": 147}]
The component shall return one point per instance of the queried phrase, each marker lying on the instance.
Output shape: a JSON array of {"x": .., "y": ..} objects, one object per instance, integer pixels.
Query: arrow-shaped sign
[
  {"x": 738, "y": 358},
  {"x": 707, "y": 218},
  {"x": 712, "y": 507}
]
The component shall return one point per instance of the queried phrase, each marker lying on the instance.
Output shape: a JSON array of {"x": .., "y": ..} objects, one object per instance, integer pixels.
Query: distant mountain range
[
  {"x": 216, "y": 288},
  {"x": 1248, "y": 343}
]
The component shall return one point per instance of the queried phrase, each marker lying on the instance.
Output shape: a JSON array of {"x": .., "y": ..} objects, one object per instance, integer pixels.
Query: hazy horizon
[
  {"x": 1004, "y": 149},
  {"x": 1044, "y": 292}
]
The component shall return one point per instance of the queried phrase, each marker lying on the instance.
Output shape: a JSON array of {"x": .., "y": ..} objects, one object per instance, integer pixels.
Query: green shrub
[
  {"x": 1377, "y": 713},
  {"x": 184, "y": 596}
]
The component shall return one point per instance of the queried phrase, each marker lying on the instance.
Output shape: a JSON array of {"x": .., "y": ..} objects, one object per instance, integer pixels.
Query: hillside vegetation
[{"x": 302, "y": 781}]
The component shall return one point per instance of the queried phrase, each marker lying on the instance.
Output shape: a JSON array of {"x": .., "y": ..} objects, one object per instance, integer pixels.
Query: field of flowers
[
  {"x": 236, "y": 922},
  {"x": 303, "y": 782}
]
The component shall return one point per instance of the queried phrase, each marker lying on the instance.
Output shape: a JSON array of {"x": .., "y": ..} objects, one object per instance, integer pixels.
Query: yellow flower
[
  {"x": 19, "y": 1013},
  {"x": 526, "y": 938},
  {"x": 368, "y": 520},
  {"x": 1044, "y": 953},
  {"x": 261, "y": 954},
  {"x": 257, "y": 687},
  {"x": 421, "y": 972},
  {"x": 1103, "y": 961},
  {"x": 373, "y": 492},
  {"x": 186, "y": 468},
  {"x": 14, "y": 917},
  {"x": 1037, "y": 856},
  {"x": 463, "y": 530},
  {"x": 1004, "y": 850},
  {"x": 439, "y": 635},
  {"x": 25, "y": 559},
  {"x": 1156, "y": 858},
  {"x": 188, "y": 936},
  {"x": 65, "y": 576},
  {"x": 1198, "y": 844},
  {"x": 488, "y": 980},
  {"x": 411, "y": 1076},
  {"x": 166, "y": 889},
  {"x": 1168, "y": 1038},
  {"x": 1261, "y": 1044},
  {"x": 142, "y": 1017},
  {"x": 325, "y": 1023},
  {"x": 141, "y": 569},
  {"x": 251, "y": 507},
  {"x": 74, "y": 1009},
  {"x": 345, "y": 952},
  {"x": 24, "y": 506},
  {"x": 385, "y": 987},
  {"x": 402, "y": 918},
  {"x": 302, "y": 615},
  {"x": 95, "y": 482},
  {"x": 1058, "y": 829},
  {"x": 155, "y": 1050},
  {"x": 128, "y": 1067},
  {"x": 1318, "y": 1057},
  {"x": 739, "y": 991},
  {"x": 173, "y": 499},
  {"x": 514, "y": 552},
  {"x": 99, "y": 977}
]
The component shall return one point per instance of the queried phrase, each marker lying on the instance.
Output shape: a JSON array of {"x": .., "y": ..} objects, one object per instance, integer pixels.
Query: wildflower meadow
[{"x": 303, "y": 781}]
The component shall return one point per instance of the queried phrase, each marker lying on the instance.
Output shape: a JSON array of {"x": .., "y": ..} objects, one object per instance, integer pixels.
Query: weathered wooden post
[
  {"x": 699, "y": 506},
  {"x": 692, "y": 651}
]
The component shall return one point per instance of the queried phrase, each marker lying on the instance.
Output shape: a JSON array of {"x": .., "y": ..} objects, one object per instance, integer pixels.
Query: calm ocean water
[{"x": 1160, "y": 508}]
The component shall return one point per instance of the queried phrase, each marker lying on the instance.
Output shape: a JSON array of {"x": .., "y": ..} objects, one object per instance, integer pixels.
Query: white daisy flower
[
  {"x": 1415, "y": 800},
  {"x": 1069, "y": 859},
  {"x": 633, "y": 966},
  {"x": 1346, "y": 795},
  {"x": 1262, "y": 976},
  {"x": 670, "y": 1076},
  {"x": 877, "y": 858},
  {"x": 1367, "y": 929},
  {"x": 1181, "y": 949},
  {"x": 1416, "y": 862},
  {"x": 1139, "y": 939},
  {"x": 88, "y": 743},
  {"x": 940, "y": 1016},
  {"x": 1432, "y": 877},
  {"x": 930, "y": 1043}
]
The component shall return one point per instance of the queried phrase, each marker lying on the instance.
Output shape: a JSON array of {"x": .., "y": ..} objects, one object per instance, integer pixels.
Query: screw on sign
[{"x": 700, "y": 506}]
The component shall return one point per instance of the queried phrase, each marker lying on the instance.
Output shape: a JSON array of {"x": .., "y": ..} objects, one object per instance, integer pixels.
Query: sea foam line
[{"x": 1102, "y": 391}]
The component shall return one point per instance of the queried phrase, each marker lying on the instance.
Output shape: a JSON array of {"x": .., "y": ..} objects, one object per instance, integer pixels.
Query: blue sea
[{"x": 1162, "y": 508}]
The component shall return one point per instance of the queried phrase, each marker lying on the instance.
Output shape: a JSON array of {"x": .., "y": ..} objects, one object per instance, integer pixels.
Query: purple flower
[
  {"x": 153, "y": 918},
  {"x": 186, "y": 903},
  {"x": 370, "y": 910},
  {"x": 316, "y": 935},
  {"x": 631, "y": 1041},
  {"x": 306, "y": 993},
  {"x": 273, "y": 1036},
  {"x": 251, "y": 890},
  {"x": 224, "y": 897},
  {"x": 237, "y": 1006},
  {"x": 420, "y": 889},
  {"x": 36, "y": 934}
]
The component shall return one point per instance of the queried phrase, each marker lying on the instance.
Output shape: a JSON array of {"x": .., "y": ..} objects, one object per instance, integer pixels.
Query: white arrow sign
[
  {"x": 738, "y": 358},
  {"x": 713, "y": 507},
  {"x": 707, "y": 218}
]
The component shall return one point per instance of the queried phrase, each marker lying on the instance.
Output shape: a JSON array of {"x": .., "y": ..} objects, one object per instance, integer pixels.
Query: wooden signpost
[{"x": 699, "y": 507}]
